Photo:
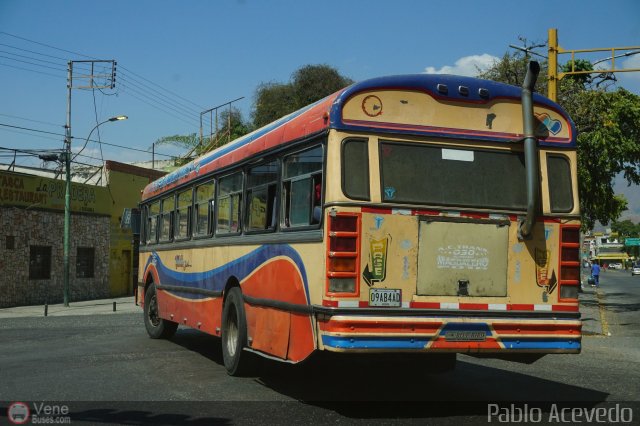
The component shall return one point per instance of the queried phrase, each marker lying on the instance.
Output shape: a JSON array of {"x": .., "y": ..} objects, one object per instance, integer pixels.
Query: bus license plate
[{"x": 385, "y": 297}]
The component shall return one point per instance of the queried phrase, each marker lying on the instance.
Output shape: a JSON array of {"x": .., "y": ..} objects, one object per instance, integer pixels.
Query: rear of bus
[{"x": 426, "y": 198}]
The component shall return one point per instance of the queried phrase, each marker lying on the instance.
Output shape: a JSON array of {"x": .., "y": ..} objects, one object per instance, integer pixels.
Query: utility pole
[
  {"x": 95, "y": 82},
  {"x": 554, "y": 50}
]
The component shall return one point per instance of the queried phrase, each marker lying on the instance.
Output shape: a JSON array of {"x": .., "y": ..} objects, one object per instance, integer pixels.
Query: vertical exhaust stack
[{"x": 530, "y": 151}]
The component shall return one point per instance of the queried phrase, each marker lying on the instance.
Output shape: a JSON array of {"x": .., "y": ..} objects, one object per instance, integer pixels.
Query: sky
[{"x": 176, "y": 59}]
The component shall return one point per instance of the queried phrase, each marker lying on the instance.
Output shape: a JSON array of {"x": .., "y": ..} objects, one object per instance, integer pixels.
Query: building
[
  {"x": 605, "y": 249},
  {"x": 32, "y": 234}
]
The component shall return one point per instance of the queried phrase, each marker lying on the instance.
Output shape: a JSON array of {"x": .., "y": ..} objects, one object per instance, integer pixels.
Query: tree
[
  {"x": 626, "y": 228},
  {"x": 608, "y": 126},
  {"x": 308, "y": 84}
]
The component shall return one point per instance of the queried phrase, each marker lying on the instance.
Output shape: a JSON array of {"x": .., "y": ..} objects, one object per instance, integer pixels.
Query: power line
[
  {"x": 46, "y": 45},
  {"x": 28, "y": 69},
  {"x": 132, "y": 80},
  {"x": 32, "y": 120},
  {"x": 90, "y": 140}
]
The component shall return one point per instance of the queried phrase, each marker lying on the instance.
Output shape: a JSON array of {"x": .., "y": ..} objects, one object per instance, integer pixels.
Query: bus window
[
  {"x": 302, "y": 180},
  {"x": 202, "y": 213},
  {"x": 261, "y": 197},
  {"x": 229, "y": 194},
  {"x": 167, "y": 205},
  {"x": 451, "y": 176},
  {"x": 152, "y": 222},
  {"x": 183, "y": 214},
  {"x": 560, "y": 193},
  {"x": 355, "y": 169}
]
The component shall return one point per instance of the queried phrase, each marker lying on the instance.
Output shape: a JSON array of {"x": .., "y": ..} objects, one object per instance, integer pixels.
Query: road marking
[{"x": 603, "y": 316}]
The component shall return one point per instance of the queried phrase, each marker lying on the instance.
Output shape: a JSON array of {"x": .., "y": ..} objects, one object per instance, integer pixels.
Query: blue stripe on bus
[
  {"x": 347, "y": 342},
  {"x": 563, "y": 343},
  {"x": 216, "y": 279},
  {"x": 375, "y": 342}
]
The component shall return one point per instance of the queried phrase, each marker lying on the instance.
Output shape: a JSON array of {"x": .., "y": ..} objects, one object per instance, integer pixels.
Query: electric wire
[
  {"x": 90, "y": 140},
  {"x": 132, "y": 77}
]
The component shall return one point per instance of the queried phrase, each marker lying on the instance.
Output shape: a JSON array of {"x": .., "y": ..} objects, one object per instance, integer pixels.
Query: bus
[{"x": 418, "y": 214}]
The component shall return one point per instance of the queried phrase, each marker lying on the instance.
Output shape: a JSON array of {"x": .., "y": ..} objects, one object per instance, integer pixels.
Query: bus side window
[
  {"x": 261, "y": 194},
  {"x": 182, "y": 225},
  {"x": 153, "y": 214},
  {"x": 202, "y": 214},
  {"x": 229, "y": 204},
  {"x": 302, "y": 188},
  {"x": 166, "y": 218},
  {"x": 317, "y": 198}
]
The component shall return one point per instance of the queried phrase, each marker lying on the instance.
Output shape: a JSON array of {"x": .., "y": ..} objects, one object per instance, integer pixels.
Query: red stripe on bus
[
  {"x": 374, "y": 326},
  {"x": 520, "y": 307},
  {"x": 424, "y": 305},
  {"x": 474, "y": 306},
  {"x": 567, "y": 308}
]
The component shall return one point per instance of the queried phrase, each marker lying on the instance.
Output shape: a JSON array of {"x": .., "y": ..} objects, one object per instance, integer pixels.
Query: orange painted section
[{"x": 275, "y": 331}]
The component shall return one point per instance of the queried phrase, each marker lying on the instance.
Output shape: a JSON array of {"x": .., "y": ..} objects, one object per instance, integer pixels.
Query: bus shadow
[
  {"x": 196, "y": 341},
  {"x": 388, "y": 389}
]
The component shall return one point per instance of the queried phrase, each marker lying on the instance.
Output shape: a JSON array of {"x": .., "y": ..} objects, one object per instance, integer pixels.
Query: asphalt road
[{"x": 108, "y": 371}]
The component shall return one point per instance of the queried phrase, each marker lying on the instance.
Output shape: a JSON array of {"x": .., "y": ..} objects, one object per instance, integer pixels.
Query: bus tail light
[
  {"x": 343, "y": 254},
  {"x": 569, "y": 262}
]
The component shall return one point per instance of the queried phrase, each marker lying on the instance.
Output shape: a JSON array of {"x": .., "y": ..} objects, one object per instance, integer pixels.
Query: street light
[
  {"x": 67, "y": 202},
  {"x": 116, "y": 118}
]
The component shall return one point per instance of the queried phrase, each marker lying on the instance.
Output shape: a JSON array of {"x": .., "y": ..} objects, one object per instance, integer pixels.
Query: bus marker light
[{"x": 342, "y": 285}]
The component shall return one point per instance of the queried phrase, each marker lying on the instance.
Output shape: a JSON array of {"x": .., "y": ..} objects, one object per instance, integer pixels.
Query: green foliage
[
  {"x": 272, "y": 101},
  {"x": 308, "y": 84},
  {"x": 608, "y": 126},
  {"x": 578, "y": 65},
  {"x": 511, "y": 69},
  {"x": 626, "y": 228}
]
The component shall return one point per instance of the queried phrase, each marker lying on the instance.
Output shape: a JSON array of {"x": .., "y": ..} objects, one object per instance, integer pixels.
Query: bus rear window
[
  {"x": 426, "y": 174},
  {"x": 355, "y": 169},
  {"x": 560, "y": 192}
]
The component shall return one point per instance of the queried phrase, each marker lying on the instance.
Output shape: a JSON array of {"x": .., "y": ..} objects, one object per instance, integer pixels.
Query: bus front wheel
[
  {"x": 234, "y": 335},
  {"x": 157, "y": 328}
]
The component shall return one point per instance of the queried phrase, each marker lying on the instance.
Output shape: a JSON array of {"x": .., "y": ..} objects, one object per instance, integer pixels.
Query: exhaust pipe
[{"x": 530, "y": 151}]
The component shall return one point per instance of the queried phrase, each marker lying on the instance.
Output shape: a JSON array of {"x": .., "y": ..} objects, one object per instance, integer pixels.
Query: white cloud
[{"x": 468, "y": 65}]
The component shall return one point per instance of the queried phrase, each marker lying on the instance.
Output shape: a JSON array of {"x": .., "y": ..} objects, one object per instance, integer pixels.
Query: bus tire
[
  {"x": 234, "y": 335},
  {"x": 157, "y": 328}
]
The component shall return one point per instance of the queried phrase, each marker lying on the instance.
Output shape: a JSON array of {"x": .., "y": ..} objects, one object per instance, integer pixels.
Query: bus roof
[{"x": 395, "y": 104}]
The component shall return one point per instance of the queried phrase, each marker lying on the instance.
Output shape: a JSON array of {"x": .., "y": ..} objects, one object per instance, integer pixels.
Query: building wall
[
  {"x": 32, "y": 214},
  {"x": 22, "y": 228},
  {"x": 125, "y": 185}
]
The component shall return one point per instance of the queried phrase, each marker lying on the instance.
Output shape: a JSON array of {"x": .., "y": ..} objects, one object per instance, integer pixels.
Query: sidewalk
[
  {"x": 590, "y": 310},
  {"x": 87, "y": 307}
]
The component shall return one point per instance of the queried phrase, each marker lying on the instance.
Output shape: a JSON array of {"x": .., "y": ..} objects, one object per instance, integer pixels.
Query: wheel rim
[
  {"x": 232, "y": 331},
  {"x": 153, "y": 311}
]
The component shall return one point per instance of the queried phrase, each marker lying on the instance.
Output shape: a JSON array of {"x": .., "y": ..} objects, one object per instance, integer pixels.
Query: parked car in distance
[
  {"x": 615, "y": 266},
  {"x": 635, "y": 270}
]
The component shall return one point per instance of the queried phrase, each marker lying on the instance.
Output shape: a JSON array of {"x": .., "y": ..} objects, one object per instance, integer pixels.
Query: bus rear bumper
[{"x": 352, "y": 333}]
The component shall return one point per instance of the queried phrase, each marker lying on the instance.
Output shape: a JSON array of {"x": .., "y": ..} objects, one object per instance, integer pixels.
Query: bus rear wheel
[
  {"x": 234, "y": 335},
  {"x": 157, "y": 328}
]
